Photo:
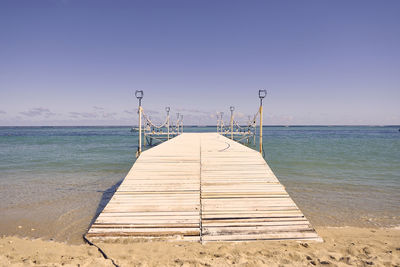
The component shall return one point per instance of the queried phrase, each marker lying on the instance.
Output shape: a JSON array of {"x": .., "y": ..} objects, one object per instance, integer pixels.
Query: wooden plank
[
  {"x": 229, "y": 230},
  {"x": 141, "y": 225},
  {"x": 251, "y": 215},
  {"x": 126, "y": 232},
  {"x": 310, "y": 235},
  {"x": 243, "y": 223},
  {"x": 251, "y": 220},
  {"x": 148, "y": 231},
  {"x": 131, "y": 220}
]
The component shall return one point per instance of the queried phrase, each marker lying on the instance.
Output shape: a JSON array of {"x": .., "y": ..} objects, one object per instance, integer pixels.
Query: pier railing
[
  {"x": 151, "y": 132},
  {"x": 243, "y": 133}
]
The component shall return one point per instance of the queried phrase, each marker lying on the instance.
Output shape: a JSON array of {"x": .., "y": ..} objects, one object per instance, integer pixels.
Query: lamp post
[
  {"x": 261, "y": 95},
  {"x": 232, "y": 108},
  {"x": 167, "y": 109},
  {"x": 139, "y": 96}
]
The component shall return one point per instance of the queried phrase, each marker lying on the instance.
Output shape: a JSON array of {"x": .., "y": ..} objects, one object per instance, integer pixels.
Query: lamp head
[
  {"x": 139, "y": 94},
  {"x": 167, "y": 109},
  {"x": 232, "y": 108},
  {"x": 262, "y": 93}
]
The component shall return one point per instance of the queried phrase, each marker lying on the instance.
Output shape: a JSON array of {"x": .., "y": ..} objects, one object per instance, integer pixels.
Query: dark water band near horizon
[{"x": 52, "y": 179}]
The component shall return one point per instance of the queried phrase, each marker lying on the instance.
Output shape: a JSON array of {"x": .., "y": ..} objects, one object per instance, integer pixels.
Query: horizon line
[{"x": 272, "y": 125}]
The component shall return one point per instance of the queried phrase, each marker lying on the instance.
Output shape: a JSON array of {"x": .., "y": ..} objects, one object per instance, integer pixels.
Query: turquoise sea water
[{"x": 52, "y": 179}]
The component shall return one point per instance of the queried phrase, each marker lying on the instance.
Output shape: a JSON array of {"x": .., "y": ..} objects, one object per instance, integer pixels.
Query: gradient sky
[{"x": 79, "y": 62}]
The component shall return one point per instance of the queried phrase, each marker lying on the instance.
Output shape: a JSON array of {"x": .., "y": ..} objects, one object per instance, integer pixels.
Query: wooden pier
[{"x": 202, "y": 187}]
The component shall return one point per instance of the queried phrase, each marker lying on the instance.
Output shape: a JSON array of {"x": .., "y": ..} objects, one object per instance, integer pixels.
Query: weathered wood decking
[{"x": 202, "y": 187}]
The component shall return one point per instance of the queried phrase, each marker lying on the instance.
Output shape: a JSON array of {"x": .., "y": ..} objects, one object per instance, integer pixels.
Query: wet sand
[{"x": 341, "y": 247}]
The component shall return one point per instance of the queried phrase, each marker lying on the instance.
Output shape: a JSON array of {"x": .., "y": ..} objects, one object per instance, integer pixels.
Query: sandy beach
[{"x": 341, "y": 247}]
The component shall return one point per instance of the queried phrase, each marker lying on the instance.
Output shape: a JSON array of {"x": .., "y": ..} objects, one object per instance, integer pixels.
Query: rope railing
[
  {"x": 239, "y": 132},
  {"x": 149, "y": 131},
  {"x": 149, "y": 122}
]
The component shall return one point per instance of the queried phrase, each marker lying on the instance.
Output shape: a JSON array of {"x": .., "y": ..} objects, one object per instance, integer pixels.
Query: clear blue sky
[{"x": 79, "y": 62}]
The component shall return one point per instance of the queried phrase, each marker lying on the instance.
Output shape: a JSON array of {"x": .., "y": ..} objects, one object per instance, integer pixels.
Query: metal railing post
[
  {"x": 167, "y": 109},
  {"x": 232, "y": 109},
  {"x": 139, "y": 96},
  {"x": 221, "y": 126},
  {"x": 181, "y": 123},
  {"x": 217, "y": 122},
  {"x": 249, "y": 130},
  {"x": 177, "y": 123},
  {"x": 144, "y": 137},
  {"x": 261, "y": 95}
]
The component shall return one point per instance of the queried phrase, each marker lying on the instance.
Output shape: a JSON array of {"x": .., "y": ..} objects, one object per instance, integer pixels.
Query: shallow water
[
  {"x": 339, "y": 175},
  {"x": 52, "y": 179}
]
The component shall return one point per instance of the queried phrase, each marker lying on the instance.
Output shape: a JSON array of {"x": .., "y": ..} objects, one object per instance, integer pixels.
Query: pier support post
[
  {"x": 139, "y": 96},
  {"x": 261, "y": 95}
]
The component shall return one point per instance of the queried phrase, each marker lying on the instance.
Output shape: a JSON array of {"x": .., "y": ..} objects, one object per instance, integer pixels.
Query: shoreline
[{"x": 342, "y": 246}]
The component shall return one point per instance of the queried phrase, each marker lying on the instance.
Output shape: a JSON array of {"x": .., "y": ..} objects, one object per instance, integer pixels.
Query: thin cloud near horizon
[{"x": 101, "y": 116}]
